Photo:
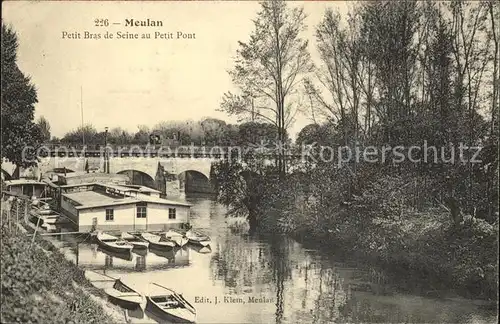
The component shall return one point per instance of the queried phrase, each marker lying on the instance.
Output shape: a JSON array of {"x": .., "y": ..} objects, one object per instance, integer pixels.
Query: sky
[{"x": 130, "y": 82}]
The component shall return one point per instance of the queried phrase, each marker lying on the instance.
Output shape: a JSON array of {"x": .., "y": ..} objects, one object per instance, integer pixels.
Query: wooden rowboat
[
  {"x": 127, "y": 256},
  {"x": 112, "y": 243},
  {"x": 156, "y": 241},
  {"x": 179, "y": 238},
  {"x": 117, "y": 292},
  {"x": 123, "y": 295},
  {"x": 170, "y": 305},
  {"x": 99, "y": 280},
  {"x": 198, "y": 238},
  {"x": 115, "y": 289},
  {"x": 137, "y": 242},
  {"x": 42, "y": 209}
]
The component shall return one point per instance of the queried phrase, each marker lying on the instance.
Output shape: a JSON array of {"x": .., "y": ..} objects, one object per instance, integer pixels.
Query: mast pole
[{"x": 81, "y": 108}]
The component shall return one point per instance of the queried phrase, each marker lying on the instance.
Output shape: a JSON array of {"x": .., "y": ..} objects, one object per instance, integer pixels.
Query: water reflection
[
  {"x": 293, "y": 285},
  {"x": 91, "y": 256}
]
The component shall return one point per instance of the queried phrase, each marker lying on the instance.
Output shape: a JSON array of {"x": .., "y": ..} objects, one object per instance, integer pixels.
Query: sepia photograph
[{"x": 250, "y": 161}]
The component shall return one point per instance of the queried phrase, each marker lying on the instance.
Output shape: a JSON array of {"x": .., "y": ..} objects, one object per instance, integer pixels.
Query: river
[{"x": 258, "y": 280}]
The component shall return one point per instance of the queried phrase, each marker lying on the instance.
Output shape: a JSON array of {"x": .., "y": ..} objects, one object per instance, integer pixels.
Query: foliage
[
  {"x": 317, "y": 134},
  {"x": 208, "y": 131},
  {"x": 402, "y": 74},
  {"x": 18, "y": 105},
  {"x": 268, "y": 69},
  {"x": 257, "y": 134},
  {"x": 87, "y": 134},
  {"x": 391, "y": 74},
  {"x": 38, "y": 284},
  {"x": 44, "y": 126}
]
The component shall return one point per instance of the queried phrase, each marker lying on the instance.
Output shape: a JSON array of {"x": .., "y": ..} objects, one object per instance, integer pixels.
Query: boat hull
[
  {"x": 162, "y": 245},
  {"x": 158, "y": 243},
  {"x": 125, "y": 303},
  {"x": 200, "y": 242},
  {"x": 124, "y": 296},
  {"x": 114, "y": 248},
  {"x": 124, "y": 250},
  {"x": 138, "y": 242},
  {"x": 120, "y": 255},
  {"x": 166, "y": 315},
  {"x": 181, "y": 241},
  {"x": 139, "y": 245}
]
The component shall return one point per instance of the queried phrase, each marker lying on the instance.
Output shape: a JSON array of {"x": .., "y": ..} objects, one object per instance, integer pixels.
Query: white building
[{"x": 117, "y": 207}]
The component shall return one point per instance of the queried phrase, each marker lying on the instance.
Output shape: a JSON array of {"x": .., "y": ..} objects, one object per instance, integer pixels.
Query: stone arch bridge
[
  {"x": 169, "y": 172},
  {"x": 162, "y": 173}
]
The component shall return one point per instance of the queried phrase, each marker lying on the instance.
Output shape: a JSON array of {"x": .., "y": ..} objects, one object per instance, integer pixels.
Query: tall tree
[
  {"x": 89, "y": 132},
  {"x": 494, "y": 34},
  {"x": 19, "y": 96},
  {"x": 269, "y": 69},
  {"x": 213, "y": 130},
  {"x": 44, "y": 126},
  {"x": 470, "y": 52},
  {"x": 392, "y": 29},
  {"x": 339, "y": 73}
]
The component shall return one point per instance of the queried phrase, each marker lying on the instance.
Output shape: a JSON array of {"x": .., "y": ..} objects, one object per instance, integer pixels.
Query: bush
[{"x": 37, "y": 285}]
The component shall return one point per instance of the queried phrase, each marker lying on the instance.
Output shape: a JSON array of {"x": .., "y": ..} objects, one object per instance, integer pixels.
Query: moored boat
[
  {"x": 123, "y": 295},
  {"x": 42, "y": 209},
  {"x": 157, "y": 241},
  {"x": 168, "y": 254},
  {"x": 137, "y": 242},
  {"x": 196, "y": 237},
  {"x": 113, "y": 243},
  {"x": 51, "y": 219},
  {"x": 99, "y": 280},
  {"x": 127, "y": 256},
  {"x": 170, "y": 305},
  {"x": 179, "y": 238}
]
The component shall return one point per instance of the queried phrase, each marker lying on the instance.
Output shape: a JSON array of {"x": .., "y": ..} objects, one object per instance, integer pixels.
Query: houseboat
[
  {"x": 27, "y": 187},
  {"x": 112, "y": 207}
]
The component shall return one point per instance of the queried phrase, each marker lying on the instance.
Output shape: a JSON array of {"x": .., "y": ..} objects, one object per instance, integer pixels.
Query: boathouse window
[
  {"x": 110, "y": 214},
  {"x": 171, "y": 213},
  {"x": 141, "y": 210}
]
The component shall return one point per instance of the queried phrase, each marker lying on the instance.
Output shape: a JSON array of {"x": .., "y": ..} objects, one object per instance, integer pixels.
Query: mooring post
[
  {"x": 26, "y": 213},
  {"x": 36, "y": 229},
  {"x": 10, "y": 212},
  {"x": 17, "y": 215}
]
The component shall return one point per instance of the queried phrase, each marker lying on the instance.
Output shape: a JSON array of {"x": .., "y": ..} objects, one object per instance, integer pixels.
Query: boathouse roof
[
  {"x": 19, "y": 182},
  {"x": 115, "y": 195}
]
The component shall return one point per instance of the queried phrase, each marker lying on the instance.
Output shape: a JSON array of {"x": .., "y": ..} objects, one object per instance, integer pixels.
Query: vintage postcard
[{"x": 250, "y": 161}]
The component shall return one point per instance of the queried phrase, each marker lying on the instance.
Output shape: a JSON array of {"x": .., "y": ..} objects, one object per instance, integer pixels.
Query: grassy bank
[
  {"x": 423, "y": 249},
  {"x": 435, "y": 260},
  {"x": 40, "y": 286}
]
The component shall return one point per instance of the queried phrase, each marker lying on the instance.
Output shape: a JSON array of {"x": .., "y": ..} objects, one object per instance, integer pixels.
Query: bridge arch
[
  {"x": 139, "y": 178},
  {"x": 194, "y": 181}
]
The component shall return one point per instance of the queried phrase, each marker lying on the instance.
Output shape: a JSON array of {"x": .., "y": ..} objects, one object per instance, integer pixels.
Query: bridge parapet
[{"x": 155, "y": 151}]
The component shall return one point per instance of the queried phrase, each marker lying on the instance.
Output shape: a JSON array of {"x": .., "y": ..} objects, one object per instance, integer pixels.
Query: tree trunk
[{"x": 252, "y": 221}]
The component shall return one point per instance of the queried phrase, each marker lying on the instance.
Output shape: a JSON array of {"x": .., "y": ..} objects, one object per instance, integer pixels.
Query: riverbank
[
  {"x": 39, "y": 285},
  {"x": 430, "y": 264},
  {"x": 408, "y": 226},
  {"x": 422, "y": 252}
]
